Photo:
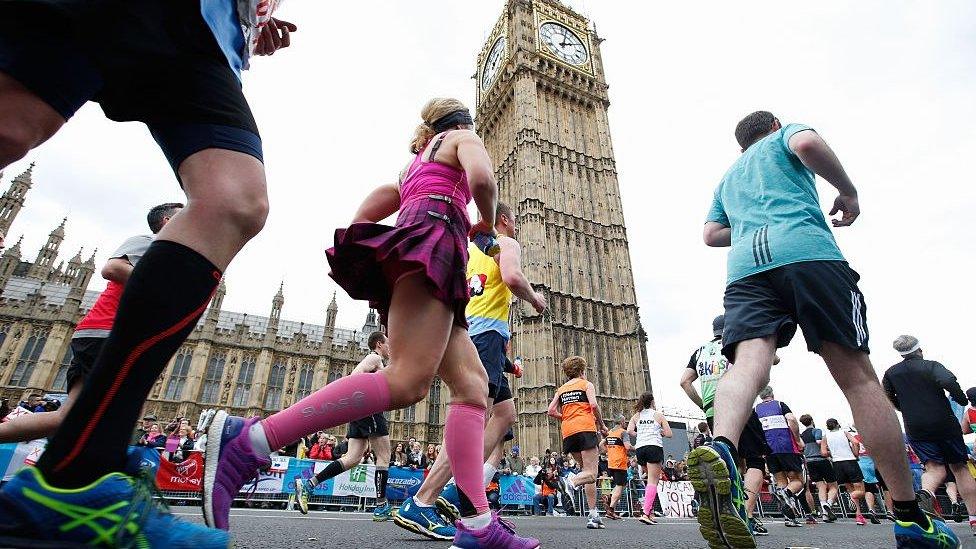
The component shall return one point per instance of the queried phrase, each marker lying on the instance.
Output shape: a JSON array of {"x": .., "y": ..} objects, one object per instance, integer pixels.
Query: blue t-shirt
[
  {"x": 769, "y": 199},
  {"x": 222, "y": 18}
]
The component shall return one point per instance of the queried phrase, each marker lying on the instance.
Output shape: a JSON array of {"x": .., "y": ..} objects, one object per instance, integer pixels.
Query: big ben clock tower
[{"x": 542, "y": 113}]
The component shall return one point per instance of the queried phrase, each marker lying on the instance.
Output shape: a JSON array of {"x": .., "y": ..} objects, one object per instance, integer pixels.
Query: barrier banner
[
  {"x": 183, "y": 477},
  {"x": 270, "y": 481},
  {"x": 24, "y": 453},
  {"x": 304, "y": 468},
  {"x": 358, "y": 481},
  {"x": 676, "y": 498},
  {"x": 404, "y": 482},
  {"x": 515, "y": 490}
]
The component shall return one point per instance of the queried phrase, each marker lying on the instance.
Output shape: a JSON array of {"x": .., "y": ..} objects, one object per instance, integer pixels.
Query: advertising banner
[
  {"x": 270, "y": 481},
  {"x": 404, "y": 482},
  {"x": 183, "y": 477},
  {"x": 515, "y": 490}
]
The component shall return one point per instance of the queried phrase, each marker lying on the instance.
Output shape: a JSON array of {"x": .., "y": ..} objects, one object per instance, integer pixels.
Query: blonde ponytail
[{"x": 434, "y": 109}]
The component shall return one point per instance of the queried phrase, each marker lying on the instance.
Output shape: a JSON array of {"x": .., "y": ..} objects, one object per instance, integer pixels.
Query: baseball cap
[
  {"x": 149, "y": 417},
  {"x": 718, "y": 325}
]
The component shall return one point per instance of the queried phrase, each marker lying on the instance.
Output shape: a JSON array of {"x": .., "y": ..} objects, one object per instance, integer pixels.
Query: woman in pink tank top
[{"x": 414, "y": 274}]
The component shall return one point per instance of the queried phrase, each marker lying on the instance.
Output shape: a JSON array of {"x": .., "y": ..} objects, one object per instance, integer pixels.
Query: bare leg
[
  {"x": 873, "y": 414},
  {"x": 25, "y": 121},
  {"x": 381, "y": 447},
  {"x": 966, "y": 486},
  {"x": 794, "y": 481},
  {"x": 40, "y": 425},
  {"x": 934, "y": 475},
  {"x": 753, "y": 483},
  {"x": 738, "y": 388},
  {"x": 588, "y": 459}
]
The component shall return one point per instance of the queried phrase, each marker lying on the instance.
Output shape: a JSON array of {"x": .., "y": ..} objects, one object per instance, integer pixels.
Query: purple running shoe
[
  {"x": 499, "y": 534},
  {"x": 230, "y": 463}
]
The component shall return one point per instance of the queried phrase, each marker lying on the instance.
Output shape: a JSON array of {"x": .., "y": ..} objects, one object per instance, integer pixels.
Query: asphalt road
[{"x": 259, "y": 528}]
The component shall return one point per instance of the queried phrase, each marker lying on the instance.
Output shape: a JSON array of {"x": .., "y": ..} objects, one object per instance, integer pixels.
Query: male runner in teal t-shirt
[{"x": 784, "y": 270}]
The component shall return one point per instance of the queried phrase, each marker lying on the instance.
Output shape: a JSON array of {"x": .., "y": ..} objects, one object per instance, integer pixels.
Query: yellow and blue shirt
[{"x": 490, "y": 298}]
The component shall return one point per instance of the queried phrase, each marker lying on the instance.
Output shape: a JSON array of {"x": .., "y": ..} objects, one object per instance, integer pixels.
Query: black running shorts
[
  {"x": 784, "y": 463},
  {"x": 491, "y": 350},
  {"x": 84, "y": 351},
  {"x": 848, "y": 471},
  {"x": 580, "y": 441},
  {"x": 821, "y": 297},
  {"x": 752, "y": 447},
  {"x": 821, "y": 471},
  {"x": 151, "y": 61},
  {"x": 650, "y": 454},
  {"x": 619, "y": 476},
  {"x": 369, "y": 427}
]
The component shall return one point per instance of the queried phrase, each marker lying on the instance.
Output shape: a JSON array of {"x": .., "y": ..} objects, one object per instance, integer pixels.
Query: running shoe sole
[
  {"x": 927, "y": 502},
  {"x": 418, "y": 529},
  {"x": 568, "y": 505},
  {"x": 718, "y": 519},
  {"x": 647, "y": 520},
  {"x": 829, "y": 515},
  {"x": 448, "y": 509},
  {"x": 213, "y": 426},
  {"x": 299, "y": 493}
]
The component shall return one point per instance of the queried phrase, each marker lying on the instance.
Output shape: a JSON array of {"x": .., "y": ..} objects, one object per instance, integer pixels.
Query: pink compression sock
[
  {"x": 344, "y": 400},
  {"x": 464, "y": 440},
  {"x": 650, "y": 494}
]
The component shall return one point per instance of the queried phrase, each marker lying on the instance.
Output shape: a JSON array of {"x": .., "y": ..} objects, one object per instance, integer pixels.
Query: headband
[
  {"x": 451, "y": 119},
  {"x": 911, "y": 350}
]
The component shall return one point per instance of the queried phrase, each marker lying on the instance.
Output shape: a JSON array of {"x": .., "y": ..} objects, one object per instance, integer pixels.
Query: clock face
[
  {"x": 563, "y": 43},
  {"x": 492, "y": 63}
]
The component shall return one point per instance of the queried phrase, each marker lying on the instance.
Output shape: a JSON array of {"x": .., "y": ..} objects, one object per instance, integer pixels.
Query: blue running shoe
[
  {"x": 910, "y": 535},
  {"x": 425, "y": 521},
  {"x": 722, "y": 516},
  {"x": 449, "y": 503},
  {"x": 382, "y": 513},
  {"x": 116, "y": 510}
]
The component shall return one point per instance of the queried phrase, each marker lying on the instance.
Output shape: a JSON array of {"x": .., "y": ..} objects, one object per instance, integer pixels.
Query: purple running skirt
[{"x": 430, "y": 236}]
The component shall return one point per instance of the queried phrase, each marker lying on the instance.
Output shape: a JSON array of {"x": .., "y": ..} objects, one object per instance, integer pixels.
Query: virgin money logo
[{"x": 187, "y": 468}]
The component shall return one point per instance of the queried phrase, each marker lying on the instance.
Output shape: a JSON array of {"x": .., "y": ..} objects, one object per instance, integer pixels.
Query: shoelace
[
  {"x": 510, "y": 526},
  {"x": 146, "y": 498}
]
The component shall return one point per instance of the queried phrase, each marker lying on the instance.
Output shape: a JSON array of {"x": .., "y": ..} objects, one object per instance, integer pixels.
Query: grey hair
[
  {"x": 906, "y": 344},
  {"x": 767, "y": 392}
]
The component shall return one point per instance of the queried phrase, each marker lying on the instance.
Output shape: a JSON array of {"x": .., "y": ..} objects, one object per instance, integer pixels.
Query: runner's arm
[
  {"x": 554, "y": 408},
  {"x": 665, "y": 426},
  {"x": 117, "y": 270},
  {"x": 476, "y": 163},
  {"x": 890, "y": 391},
  {"x": 815, "y": 154},
  {"x": 383, "y": 202},
  {"x": 717, "y": 235},
  {"x": 947, "y": 380},
  {"x": 824, "y": 450},
  {"x": 369, "y": 364},
  {"x": 687, "y": 383},
  {"x": 510, "y": 264},
  {"x": 964, "y": 423},
  {"x": 632, "y": 426},
  {"x": 591, "y": 398}
]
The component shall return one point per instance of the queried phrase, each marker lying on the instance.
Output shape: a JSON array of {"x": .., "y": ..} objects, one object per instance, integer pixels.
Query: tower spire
[{"x": 13, "y": 200}]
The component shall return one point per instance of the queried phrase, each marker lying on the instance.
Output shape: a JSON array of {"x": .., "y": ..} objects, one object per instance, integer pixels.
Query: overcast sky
[{"x": 890, "y": 85}]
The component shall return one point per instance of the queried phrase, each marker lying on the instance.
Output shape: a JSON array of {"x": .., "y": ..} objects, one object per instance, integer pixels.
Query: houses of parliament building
[{"x": 541, "y": 102}]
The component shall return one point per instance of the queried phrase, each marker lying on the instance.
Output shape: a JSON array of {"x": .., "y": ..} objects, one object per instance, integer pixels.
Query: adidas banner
[{"x": 515, "y": 490}]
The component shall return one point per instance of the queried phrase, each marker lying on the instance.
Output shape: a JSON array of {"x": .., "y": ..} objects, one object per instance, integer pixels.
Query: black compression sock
[
  {"x": 163, "y": 299},
  {"x": 381, "y": 478},
  {"x": 331, "y": 470},
  {"x": 908, "y": 511}
]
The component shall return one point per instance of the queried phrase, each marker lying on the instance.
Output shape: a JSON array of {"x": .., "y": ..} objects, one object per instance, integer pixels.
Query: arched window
[
  {"x": 434, "y": 402},
  {"x": 304, "y": 381},
  {"x": 212, "y": 377},
  {"x": 242, "y": 391},
  {"x": 276, "y": 381},
  {"x": 28, "y": 360},
  {"x": 177, "y": 379},
  {"x": 61, "y": 379}
]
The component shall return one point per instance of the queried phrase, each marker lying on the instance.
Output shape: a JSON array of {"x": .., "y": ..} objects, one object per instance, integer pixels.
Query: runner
[
  {"x": 492, "y": 281},
  {"x": 177, "y": 69},
  {"x": 918, "y": 388},
  {"x": 785, "y": 462},
  {"x": 371, "y": 432},
  {"x": 819, "y": 467},
  {"x": 708, "y": 365},
  {"x": 842, "y": 449},
  {"x": 413, "y": 274},
  {"x": 91, "y": 332},
  {"x": 646, "y": 427},
  {"x": 617, "y": 444},
  {"x": 872, "y": 484},
  {"x": 575, "y": 406},
  {"x": 785, "y": 270}
]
